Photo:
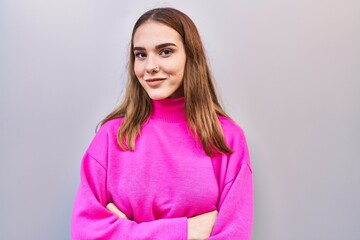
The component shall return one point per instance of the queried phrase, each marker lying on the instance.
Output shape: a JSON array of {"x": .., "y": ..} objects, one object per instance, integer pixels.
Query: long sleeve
[
  {"x": 235, "y": 215},
  {"x": 235, "y": 206},
  {"x": 91, "y": 219}
]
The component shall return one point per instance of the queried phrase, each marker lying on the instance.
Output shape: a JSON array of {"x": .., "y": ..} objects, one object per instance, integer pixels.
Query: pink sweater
[{"x": 167, "y": 179}]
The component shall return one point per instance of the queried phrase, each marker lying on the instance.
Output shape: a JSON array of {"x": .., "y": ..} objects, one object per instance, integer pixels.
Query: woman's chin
[
  {"x": 157, "y": 96},
  {"x": 160, "y": 96}
]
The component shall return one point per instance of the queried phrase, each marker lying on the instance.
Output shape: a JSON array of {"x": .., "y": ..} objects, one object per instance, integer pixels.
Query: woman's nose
[{"x": 151, "y": 64}]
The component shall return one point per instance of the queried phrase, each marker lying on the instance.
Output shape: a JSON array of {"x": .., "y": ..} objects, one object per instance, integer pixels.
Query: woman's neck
[{"x": 169, "y": 110}]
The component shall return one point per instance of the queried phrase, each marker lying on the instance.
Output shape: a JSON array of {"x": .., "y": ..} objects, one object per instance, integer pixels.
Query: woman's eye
[
  {"x": 140, "y": 55},
  {"x": 166, "y": 52}
]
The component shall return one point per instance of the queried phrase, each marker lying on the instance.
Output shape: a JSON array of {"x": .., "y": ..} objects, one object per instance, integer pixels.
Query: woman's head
[
  {"x": 180, "y": 26},
  {"x": 159, "y": 60}
]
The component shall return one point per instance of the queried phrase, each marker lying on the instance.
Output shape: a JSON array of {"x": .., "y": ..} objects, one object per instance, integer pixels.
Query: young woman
[{"x": 168, "y": 163}]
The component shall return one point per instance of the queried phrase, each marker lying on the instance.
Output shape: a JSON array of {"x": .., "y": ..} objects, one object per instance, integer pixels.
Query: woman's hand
[
  {"x": 112, "y": 208},
  {"x": 200, "y": 226}
]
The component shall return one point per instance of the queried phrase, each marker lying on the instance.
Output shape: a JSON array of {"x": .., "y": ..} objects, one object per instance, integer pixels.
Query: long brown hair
[{"x": 201, "y": 104}]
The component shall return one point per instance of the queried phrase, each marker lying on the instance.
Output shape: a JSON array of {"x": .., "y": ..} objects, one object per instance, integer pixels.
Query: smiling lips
[{"x": 153, "y": 82}]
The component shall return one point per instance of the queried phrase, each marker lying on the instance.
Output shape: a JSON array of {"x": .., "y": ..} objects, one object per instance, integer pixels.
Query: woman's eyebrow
[
  {"x": 163, "y": 45},
  {"x": 138, "y": 48}
]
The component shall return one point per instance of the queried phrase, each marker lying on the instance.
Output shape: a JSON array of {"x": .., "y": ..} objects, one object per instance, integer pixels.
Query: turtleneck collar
[{"x": 169, "y": 110}]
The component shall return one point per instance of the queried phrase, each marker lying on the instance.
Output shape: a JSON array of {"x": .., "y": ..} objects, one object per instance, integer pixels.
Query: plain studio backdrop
[{"x": 288, "y": 72}]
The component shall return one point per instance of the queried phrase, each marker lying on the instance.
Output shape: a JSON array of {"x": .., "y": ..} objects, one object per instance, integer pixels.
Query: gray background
[{"x": 287, "y": 71}]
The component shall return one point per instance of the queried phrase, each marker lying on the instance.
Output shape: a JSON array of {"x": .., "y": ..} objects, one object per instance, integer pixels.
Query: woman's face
[{"x": 159, "y": 60}]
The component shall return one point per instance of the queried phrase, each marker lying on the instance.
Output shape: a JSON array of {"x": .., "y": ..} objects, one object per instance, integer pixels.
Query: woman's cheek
[{"x": 137, "y": 70}]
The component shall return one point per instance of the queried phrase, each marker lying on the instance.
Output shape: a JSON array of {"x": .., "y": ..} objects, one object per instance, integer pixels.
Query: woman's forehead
[{"x": 151, "y": 34}]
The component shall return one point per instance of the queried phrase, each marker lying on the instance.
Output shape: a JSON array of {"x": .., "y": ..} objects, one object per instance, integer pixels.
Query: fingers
[
  {"x": 214, "y": 214},
  {"x": 200, "y": 226},
  {"x": 112, "y": 208},
  {"x": 209, "y": 215}
]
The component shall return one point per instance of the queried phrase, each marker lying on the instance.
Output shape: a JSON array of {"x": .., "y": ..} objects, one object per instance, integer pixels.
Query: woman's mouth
[{"x": 153, "y": 82}]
